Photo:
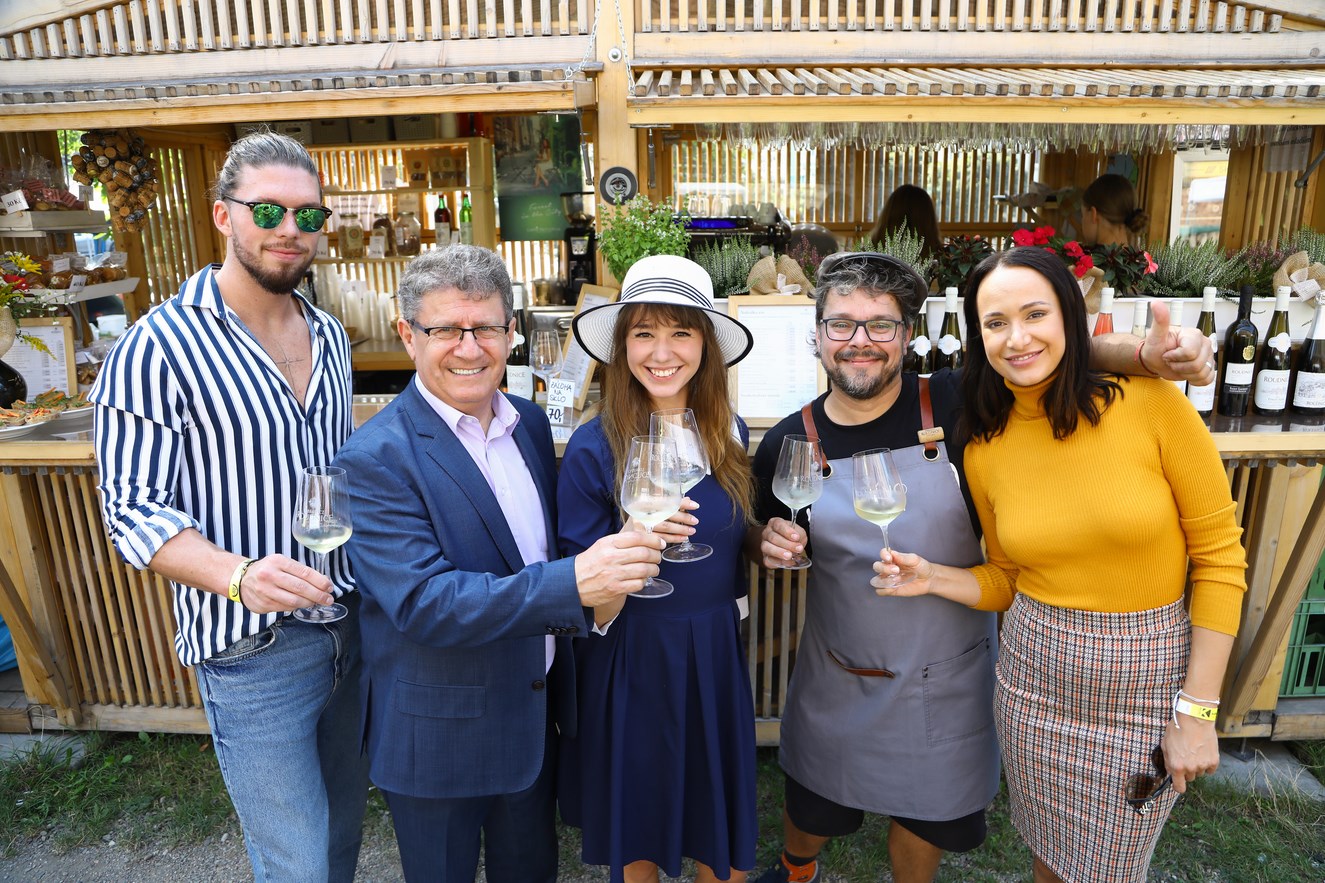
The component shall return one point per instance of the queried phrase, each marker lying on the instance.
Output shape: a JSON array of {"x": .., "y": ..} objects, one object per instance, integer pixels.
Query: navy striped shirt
[{"x": 196, "y": 427}]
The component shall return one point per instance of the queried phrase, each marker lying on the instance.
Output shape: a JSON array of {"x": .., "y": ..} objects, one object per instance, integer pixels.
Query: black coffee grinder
[{"x": 581, "y": 243}]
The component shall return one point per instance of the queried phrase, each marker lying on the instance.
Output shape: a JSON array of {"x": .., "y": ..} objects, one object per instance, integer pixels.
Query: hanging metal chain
[{"x": 591, "y": 47}]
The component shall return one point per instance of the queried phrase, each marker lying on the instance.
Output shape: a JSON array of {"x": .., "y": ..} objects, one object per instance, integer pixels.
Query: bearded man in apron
[{"x": 890, "y": 705}]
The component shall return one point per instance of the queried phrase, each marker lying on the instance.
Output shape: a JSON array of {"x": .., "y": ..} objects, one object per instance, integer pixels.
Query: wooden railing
[
  {"x": 1160, "y": 16},
  {"x": 145, "y": 27},
  {"x": 141, "y": 27}
]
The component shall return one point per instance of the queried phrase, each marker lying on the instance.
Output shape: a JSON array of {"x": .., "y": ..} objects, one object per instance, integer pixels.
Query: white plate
[
  {"x": 74, "y": 421},
  {"x": 9, "y": 433}
]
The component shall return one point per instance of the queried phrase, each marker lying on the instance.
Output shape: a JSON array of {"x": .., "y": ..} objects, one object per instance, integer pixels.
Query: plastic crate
[
  {"x": 331, "y": 131},
  {"x": 416, "y": 127},
  {"x": 1304, "y": 661},
  {"x": 370, "y": 130}
]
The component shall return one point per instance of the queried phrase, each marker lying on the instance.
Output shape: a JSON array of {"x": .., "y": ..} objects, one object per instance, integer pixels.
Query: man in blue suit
[{"x": 466, "y": 622}]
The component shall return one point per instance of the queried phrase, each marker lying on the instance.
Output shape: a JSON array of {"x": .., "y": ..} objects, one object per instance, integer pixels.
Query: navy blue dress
[{"x": 664, "y": 762}]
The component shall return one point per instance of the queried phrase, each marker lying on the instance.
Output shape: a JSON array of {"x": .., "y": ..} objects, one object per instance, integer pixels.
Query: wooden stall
[{"x": 833, "y": 101}]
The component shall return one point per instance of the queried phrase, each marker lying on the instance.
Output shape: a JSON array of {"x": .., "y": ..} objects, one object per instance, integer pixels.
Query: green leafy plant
[
  {"x": 1125, "y": 268},
  {"x": 639, "y": 229},
  {"x": 902, "y": 243},
  {"x": 1184, "y": 270},
  {"x": 1258, "y": 261},
  {"x": 1308, "y": 240},
  {"x": 959, "y": 256},
  {"x": 728, "y": 262}
]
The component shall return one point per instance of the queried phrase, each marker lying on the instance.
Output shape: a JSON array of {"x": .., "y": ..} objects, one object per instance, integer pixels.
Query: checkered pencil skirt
[{"x": 1080, "y": 703}]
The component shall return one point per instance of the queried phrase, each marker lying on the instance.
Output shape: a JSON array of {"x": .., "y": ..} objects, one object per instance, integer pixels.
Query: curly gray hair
[{"x": 477, "y": 273}]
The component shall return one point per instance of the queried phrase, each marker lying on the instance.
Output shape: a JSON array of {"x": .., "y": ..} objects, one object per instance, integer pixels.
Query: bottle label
[
  {"x": 1202, "y": 397},
  {"x": 1214, "y": 344},
  {"x": 1239, "y": 374},
  {"x": 1280, "y": 342},
  {"x": 949, "y": 344},
  {"x": 520, "y": 381},
  {"x": 1271, "y": 390},
  {"x": 1249, "y": 353},
  {"x": 922, "y": 346},
  {"x": 1310, "y": 392},
  {"x": 466, "y": 233}
]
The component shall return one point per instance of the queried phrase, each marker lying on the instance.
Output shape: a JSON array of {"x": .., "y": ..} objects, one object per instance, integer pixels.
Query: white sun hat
[{"x": 662, "y": 279}]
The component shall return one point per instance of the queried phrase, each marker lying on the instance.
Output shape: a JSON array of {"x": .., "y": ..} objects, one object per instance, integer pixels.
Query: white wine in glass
[
  {"x": 650, "y": 494},
  {"x": 880, "y": 496},
  {"x": 678, "y": 426},
  {"x": 322, "y": 524},
  {"x": 798, "y": 482}
]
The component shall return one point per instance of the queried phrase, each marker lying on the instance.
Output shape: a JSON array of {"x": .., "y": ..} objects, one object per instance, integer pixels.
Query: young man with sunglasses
[
  {"x": 889, "y": 709},
  {"x": 208, "y": 410}
]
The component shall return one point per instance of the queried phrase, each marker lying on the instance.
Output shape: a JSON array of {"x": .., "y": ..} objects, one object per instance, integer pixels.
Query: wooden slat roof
[{"x": 863, "y": 93}]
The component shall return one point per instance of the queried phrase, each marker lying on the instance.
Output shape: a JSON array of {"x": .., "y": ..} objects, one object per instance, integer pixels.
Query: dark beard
[
  {"x": 858, "y": 387},
  {"x": 274, "y": 281}
]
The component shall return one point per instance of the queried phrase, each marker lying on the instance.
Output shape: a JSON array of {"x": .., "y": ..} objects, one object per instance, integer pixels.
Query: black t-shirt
[{"x": 896, "y": 429}]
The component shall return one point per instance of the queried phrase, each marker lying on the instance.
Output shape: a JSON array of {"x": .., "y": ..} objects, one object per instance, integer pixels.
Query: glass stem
[
  {"x": 884, "y": 528},
  {"x": 648, "y": 581}
]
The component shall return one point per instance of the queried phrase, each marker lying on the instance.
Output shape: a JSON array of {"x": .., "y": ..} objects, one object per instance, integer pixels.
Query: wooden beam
[
  {"x": 967, "y": 108},
  {"x": 37, "y": 13},
  {"x": 1291, "y": 586},
  {"x": 979, "y": 49},
  {"x": 293, "y": 62},
  {"x": 475, "y": 98}
]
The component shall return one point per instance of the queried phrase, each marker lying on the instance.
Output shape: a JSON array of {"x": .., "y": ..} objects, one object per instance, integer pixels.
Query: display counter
[{"x": 95, "y": 637}]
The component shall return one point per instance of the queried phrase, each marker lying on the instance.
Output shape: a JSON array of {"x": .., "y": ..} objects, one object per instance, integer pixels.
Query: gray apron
[{"x": 919, "y": 744}]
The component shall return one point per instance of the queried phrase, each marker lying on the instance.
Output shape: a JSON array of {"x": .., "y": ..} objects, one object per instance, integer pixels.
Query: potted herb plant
[{"x": 638, "y": 229}]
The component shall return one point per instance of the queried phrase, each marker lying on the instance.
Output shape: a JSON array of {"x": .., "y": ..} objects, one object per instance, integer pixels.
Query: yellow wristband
[
  {"x": 1191, "y": 709},
  {"x": 238, "y": 577}
]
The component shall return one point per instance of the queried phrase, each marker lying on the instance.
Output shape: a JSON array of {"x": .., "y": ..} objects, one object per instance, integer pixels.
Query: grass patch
[
  {"x": 167, "y": 788},
  {"x": 149, "y": 787}
]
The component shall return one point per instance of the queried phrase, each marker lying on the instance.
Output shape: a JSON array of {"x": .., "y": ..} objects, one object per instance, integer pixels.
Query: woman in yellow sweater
[{"x": 1100, "y": 659}]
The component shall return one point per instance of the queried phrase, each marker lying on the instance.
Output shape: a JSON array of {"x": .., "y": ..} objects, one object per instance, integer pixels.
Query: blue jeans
[{"x": 284, "y": 710}]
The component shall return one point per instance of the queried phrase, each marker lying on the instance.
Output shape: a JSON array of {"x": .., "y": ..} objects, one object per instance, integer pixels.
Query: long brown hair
[
  {"x": 1075, "y": 392},
  {"x": 624, "y": 411}
]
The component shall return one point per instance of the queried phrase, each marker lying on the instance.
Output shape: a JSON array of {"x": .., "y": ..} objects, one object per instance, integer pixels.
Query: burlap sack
[
  {"x": 763, "y": 278},
  {"x": 1300, "y": 274},
  {"x": 1092, "y": 286}
]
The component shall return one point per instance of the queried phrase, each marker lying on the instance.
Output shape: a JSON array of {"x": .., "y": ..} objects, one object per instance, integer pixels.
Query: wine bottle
[
  {"x": 1276, "y": 360},
  {"x": 1140, "y": 318},
  {"x": 919, "y": 357},
  {"x": 950, "y": 335},
  {"x": 1203, "y": 397},
  {"x": 1175, "y": 322},
  {"x": 519, "y": 376},
  {"x": 1104, "y": 321},
  {"x": 1239, "y": 359},
  {"x": 466, "y": 221},
  {"x": 441, "y": 221},
  {"x": 1309, "y": 387}
]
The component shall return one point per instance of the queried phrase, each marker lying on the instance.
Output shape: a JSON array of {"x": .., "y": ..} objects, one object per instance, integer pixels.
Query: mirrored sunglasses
[{"x": 268, "y": 215}]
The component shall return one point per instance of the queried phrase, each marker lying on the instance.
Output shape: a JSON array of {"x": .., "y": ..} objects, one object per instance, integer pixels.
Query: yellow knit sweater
[{"x": 1106, "y": 519}]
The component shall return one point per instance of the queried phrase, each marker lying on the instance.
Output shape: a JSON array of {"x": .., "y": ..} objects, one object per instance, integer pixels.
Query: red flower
[
  {"x": 1043, "y": 235},
  {"x": 1151, "y": 266},
  {"x": 1083, "y": 266},
  {"x": 1023, "y": 237},
  {"x": 1073, "y": 249}
]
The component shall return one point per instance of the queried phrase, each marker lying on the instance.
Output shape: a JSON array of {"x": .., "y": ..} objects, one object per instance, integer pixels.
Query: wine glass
[
  {"x": 798, "y": 482},
  {"x": 880, "y": 497},
  {"x": 651, "y": 494},
  {"x": 678, "y": 426},
  {"x": 545, "y": 354},
  {"x": 322, "y": 523}
]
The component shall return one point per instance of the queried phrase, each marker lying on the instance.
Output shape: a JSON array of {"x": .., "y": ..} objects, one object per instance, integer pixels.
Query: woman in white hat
[{"x": 663, "y": 765}]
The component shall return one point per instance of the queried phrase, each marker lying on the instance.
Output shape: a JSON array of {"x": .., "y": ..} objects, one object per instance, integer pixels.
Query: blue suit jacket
[{"x": 453, "y": 622}]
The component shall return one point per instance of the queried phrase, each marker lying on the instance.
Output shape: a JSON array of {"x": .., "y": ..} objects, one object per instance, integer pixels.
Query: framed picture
[
  {"x": 577, "y": 366},
  {"x": 41, "y": 371},
  {"x": 781, "y": 373}
]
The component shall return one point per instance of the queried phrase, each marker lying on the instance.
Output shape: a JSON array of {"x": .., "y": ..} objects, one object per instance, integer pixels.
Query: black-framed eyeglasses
[
  {"x": 455, "y": 333},
  {"x": 1143, "y": 789},
  {"x": 268, "y": 215},
  {"x": 877, "y": 330}
]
